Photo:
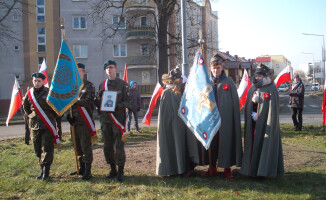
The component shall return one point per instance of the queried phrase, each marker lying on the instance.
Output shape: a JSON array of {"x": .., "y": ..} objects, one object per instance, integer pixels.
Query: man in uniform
[
  {"x": 82, "y": 119},
  {"x": 43, "y": 139},
  {"x": 112, "y": 122}
]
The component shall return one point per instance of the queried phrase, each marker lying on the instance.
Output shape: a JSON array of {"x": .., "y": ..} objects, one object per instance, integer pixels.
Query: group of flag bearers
[
  {"x": 198, "y": 124},
  {"x": 178, "y": 152}
]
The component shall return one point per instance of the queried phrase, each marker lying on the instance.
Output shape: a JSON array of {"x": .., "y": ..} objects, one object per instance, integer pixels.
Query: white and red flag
[
  {"x": 243, "y": 89},
  {"x": 125, "y": 74},
  {"x": 44, "y": 71},
  {"x": 284, "y": 76},
  {"x": 16, "y": 101},
  {"x": 324, "y": 104},
  {"x": 157, "y": 93}
]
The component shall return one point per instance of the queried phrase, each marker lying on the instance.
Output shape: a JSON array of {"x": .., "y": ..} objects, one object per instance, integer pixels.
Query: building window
[
  {"x": 143, "y": 21},
  {"x": 144, "y": 49},
  {"x": 16, "y": 48},
  {"x": 119, "y": 22},
  {"x": 40, "y": 11},
  {"x": 80, "y": 51},
  {"x": 79, "y": 22},
  {"x": 118, "y": 75},
  {"x": 40, "y": 61},
  {"x": 41, "y": 40},
  {"x": 120, "y": 50},
  {"x": 143, "y": 2}
]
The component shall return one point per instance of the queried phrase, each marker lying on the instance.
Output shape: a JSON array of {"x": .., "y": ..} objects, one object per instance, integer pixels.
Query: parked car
[
  {"x": 283, "y": 88},
  {"x": 315, "y": 86}
]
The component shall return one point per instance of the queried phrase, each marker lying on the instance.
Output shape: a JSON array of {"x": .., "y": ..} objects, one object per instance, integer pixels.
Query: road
[{"x": 311, "y": 115}]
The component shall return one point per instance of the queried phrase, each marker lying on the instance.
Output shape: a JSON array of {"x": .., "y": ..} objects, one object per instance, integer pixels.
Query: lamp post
[
  {"x": 313, "y": 66},
  {"x": 322, "y": 51}
]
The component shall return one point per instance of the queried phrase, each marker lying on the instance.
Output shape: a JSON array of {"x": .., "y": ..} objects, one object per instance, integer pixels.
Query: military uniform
[
  {"x": 113, "y": 146},
  {"x": 83, "y": 133},
  {"x": 42, "y": 138}
]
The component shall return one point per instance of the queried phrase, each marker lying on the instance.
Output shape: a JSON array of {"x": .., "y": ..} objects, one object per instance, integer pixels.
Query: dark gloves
[{"x": 70, "y": 119}]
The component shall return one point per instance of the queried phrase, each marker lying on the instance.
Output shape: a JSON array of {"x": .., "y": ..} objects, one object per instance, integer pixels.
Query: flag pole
[
  {"x": 201, "y": 41},
  {"x": 62, "y": 22}
]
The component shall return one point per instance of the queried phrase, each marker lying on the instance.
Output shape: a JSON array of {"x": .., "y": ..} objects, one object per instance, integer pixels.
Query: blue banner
[
  {"x": 66, "y": 82},
  {"x": 198, "y": 108}
]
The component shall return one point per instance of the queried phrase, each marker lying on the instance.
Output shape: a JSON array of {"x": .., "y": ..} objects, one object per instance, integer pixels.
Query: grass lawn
[{"x": 19, "y": 167}]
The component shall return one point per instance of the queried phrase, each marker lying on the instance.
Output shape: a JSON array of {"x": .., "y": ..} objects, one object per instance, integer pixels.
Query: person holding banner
[
  {"x": 82, "y": 119},
  {"x": 113, "y": 123},
  {"x": 175, "y": 149},
  {"x": 41, "y": 116},
  {"x": 263, "y": 156},
  {"x": 226, "y": 146}
]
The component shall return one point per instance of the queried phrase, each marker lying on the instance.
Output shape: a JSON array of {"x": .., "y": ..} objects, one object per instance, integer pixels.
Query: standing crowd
[{"x": 178, "y": 151}]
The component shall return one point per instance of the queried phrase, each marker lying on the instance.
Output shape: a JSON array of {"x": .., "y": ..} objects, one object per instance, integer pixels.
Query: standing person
[
  {"x": 37, "y": 109},
  {"x": 114, "y": 151},
  {"x": 82, "y": 119},
  {"x": 263, "y": 156},
  {"x": 226, "y": 146},
  {"x": 174, "y": 142},
  {"x": 296, "y": 102},
  {"x": 135, "y": 106}
]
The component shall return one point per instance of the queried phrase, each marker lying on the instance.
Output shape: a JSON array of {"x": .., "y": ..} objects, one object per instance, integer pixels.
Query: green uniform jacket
[
  {"x": 123, "y": 100},
  {"x": 263, "y": 154},
  {"x": 35, "y": 122},
  {"x": 86, "y": 100}
]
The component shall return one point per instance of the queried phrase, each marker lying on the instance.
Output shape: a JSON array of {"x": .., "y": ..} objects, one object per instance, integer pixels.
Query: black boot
[
  {"x": 41, "y": 173},
  {"x": 113, "y": 173},
  {"x": 88, "y": 174},
  {"x": 81, "y": 168},
  {"x": 120, "y": 173},
  {"x": 46, "y": 172}
]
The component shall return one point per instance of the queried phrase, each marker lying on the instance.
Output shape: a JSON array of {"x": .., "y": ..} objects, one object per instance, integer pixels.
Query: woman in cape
[{"x": 263, "y": 156}]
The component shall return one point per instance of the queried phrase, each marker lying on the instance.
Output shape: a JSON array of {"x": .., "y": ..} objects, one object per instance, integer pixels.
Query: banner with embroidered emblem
[
  {"x": 66, "y": 82},
  {"x": 198, "y": 108}
]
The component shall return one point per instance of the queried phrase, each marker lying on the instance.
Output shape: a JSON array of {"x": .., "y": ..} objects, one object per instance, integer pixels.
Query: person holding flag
[
  {"x": 263, "y": 155},
  {"x": 41, "y": 122},
  {"x": 113, "y": 123},
  {"x": 226, "y": 146},
  {"x": 82, "y": 119},
  {"x": 296, "y": 102}
]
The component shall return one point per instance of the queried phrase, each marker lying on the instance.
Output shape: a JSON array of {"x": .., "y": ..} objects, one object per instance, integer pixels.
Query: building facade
[{"x": 275, "y": 62}]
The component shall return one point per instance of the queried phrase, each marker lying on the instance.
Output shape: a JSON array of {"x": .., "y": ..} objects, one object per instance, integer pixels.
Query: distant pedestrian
[
  {"x": 296, "y": 102},
  {"x": 135, "y": 106},
  {"x": 263, "y": 154}
]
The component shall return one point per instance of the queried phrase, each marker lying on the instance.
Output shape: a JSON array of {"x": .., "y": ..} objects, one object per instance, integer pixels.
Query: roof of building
[{"x": 263, "y": 59}]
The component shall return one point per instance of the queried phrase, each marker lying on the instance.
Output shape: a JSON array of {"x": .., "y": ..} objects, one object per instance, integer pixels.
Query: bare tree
[{"x": 8, "y": 7}]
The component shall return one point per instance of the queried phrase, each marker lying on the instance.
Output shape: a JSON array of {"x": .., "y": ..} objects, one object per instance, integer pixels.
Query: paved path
[{"x": 15, "y": 131}]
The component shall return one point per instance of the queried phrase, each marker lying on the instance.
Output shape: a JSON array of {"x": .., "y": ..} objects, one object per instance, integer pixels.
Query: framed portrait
[{"x": 109, "y": 100}]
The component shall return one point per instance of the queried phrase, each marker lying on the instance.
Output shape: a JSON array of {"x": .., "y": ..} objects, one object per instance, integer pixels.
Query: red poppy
[
  {"x": 183, "y": 110},
  {"x": 226, "y": 87},
  {"x": 266, "y": 95}
]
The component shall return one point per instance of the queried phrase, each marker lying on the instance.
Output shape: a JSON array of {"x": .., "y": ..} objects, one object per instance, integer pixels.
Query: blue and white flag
[
  {"x": 198, "y": 107},
  {"x": 66, "y": 82}
]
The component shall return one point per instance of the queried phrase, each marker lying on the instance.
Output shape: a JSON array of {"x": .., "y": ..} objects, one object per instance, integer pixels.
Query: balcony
[
  {"x": 147, "y": 60},
  {"x": 141, "y": 32},
  {"x": 143, "y": 6}
]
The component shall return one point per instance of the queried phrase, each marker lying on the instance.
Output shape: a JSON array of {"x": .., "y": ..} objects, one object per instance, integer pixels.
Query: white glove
[{"x": 254, "y": 116}]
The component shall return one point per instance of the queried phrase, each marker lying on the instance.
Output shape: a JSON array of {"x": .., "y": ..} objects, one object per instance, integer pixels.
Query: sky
[{"x": 251, "y": 28}]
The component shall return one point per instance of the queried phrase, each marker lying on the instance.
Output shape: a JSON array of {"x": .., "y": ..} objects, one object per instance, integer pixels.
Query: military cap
[
  {"x": 262, "y": 69},
  {"x": 81, "y": 65},
  {"x": 38, "y": 75},
  {"x": 297, "y": 76},
  {"x": 216, "y": 59},
  {"x": 175, "y": 73},
  {"x": 110, "y": 62}
]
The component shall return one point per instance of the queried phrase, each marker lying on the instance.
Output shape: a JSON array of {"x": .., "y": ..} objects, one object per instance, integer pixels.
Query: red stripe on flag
[
  {"x": 283, "y": 79},
  {"x": 157, "y": 93},
  {"x": 243, "y": 98},
  {"x": 324, "y": 104},
  {"x": 125, "y": 74}
]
